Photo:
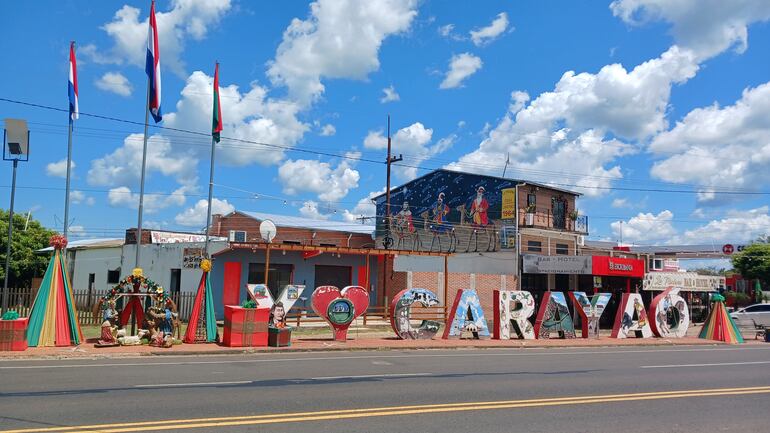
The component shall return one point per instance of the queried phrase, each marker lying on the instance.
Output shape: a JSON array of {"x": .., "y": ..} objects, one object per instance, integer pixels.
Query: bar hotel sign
[{"x": 583, "y": 265}]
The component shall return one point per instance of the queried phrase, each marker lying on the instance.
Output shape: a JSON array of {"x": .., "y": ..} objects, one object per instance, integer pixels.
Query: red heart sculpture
[{"x": 324, "y": 296}]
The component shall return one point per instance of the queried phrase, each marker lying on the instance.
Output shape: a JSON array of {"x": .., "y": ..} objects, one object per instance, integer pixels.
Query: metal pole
[
  {"x": 10, "y": 238},
  {"x": 141, "y": 182},
  {"x": 211, "y": 192},
  {"x": 67, "y": 188},
  {"x": 267, "y": 262}
]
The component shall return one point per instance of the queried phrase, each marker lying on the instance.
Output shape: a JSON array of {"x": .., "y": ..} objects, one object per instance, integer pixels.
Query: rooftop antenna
[{"x": 507, "y": 161}]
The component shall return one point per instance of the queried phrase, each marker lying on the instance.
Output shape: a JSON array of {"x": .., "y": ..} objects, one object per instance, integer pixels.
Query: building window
[
  {"x": 531, "y": 199},
  {"x": 562, "y": 249},
  {"x": 291, "y": 242},
  {"x": 535, "y": 246},
  {"x": 113, "y": 277},
  {"x": 278, "y": 276}
]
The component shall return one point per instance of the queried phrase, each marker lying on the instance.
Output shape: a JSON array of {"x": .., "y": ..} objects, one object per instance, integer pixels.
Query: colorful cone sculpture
[
  {"x": 54, "y": 317},
  {"x": 202, "y": 327},
  {"x": 720, "y": 326}
]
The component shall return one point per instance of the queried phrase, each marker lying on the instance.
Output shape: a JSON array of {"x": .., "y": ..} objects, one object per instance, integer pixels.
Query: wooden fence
[{"x": 20, "y": 299}]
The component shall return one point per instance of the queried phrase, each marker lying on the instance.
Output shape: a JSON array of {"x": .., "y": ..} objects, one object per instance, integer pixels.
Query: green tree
[
  {"x": 26, "y": 263},
  {"x": 753, "y": 262}
]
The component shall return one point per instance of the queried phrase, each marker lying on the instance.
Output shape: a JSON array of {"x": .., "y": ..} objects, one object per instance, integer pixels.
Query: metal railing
[{"x": 544, "y": 218}]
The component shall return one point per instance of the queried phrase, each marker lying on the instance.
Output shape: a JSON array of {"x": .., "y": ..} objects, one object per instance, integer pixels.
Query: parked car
[{"x": 746, "y": 317}]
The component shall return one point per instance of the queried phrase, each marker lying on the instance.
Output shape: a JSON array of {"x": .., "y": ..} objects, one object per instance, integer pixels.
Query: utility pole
[{"x": 387, "y": 241}]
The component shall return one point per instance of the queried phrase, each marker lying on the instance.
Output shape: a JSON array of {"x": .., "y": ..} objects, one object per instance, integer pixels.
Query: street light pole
[{"x": 10, "y": 238}]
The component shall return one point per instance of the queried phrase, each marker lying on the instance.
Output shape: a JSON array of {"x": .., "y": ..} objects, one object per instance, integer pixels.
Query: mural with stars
[{"x": 448, "y": 211}]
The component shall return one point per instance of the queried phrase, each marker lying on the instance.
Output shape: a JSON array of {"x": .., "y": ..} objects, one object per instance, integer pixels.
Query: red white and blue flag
[
  {"x": 73, "y": 85},
  {"x": 153, "y": 67}
]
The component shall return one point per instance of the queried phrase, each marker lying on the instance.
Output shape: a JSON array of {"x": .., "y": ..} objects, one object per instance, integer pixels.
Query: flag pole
[
  {"x": 215, "y": 130},
  {"x": 141, "y": 182},
  {"x": 211, "y": 192},
  {"x": 69, "y": 167}
]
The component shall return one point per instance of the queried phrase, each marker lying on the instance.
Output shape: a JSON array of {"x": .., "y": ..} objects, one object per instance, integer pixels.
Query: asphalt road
[{"x": 657, "y": 389}]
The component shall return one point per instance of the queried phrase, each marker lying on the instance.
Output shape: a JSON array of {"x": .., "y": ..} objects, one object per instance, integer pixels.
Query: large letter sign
[
  {"x": 553, "y": 316},
  {"x": 590, "y": 310},
  {"x": 631, "y": 317},
  {"x": 512, "y": 311},
  {"x": 670, "y": 315},
  {"x": 400, "y": 313},
  {"x": 467, "y": 315},
  {"x": 340, "y": 308},
  {"x": 262, "y": 296}
]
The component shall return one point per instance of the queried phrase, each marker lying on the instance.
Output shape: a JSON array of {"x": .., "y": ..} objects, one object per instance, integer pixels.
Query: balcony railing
[{"x": 544, "y": 218}]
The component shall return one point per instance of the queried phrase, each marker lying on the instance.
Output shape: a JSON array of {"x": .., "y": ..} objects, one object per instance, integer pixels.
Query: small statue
[
  {"x": 109, "y": 327},
  {"x": 277, "y": 316}
]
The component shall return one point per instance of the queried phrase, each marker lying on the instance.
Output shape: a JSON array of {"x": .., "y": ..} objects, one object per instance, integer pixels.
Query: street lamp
[{"x": 15, "y": 148}]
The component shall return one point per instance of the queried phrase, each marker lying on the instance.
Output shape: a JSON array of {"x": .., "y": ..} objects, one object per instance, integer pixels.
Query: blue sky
[{"x": 618, "y": 100}]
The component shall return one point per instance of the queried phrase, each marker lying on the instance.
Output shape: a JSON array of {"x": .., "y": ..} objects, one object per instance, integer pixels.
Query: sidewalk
[{"x": 365, "y": 341}]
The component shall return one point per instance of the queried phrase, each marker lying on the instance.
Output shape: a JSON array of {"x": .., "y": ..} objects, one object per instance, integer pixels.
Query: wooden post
[
  {"x": 446, "y": 285},
  {"x": 267, "y": 263}
]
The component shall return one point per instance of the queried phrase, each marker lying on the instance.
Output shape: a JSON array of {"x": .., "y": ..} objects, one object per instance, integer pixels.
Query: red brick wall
[{"x": 223, "y": 224}]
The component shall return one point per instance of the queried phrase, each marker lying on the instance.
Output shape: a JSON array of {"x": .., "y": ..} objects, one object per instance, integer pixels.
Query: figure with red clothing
[{"x": 479, "y": 207}]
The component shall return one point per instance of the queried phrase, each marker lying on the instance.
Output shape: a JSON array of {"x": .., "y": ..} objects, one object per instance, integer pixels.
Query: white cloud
[
  {"x": 708, "y": 27},
  {"x": 646, "y": 227},
  {"x": 446, "y": 30},
  {"x": 567, "y": 130},
  {"x": 364, "y": 208},
  {"x": 621, "y": 203},
  {"x": 389, "y": 95},
  {"x": 461, "y": 66},
  {"x": 123, "y": 165},
  {"x": 78, "y": 197},
  {"x": 310, "y": 209},
  {"x": 340, "y": 39},
  {"x": 331, "y": 184},
  {"x": 412, "y": 141},
  {"x": 196, "y": 216},
  {"x": 250, "y": 116},
  {"x": 328, "y": 130},
  {"x": 114, "y": 82},
  {"x": 122, "y": 196},
  {"x": 491, "y": 32},
  {"x": 736, "y": 226},
  {"x": 186, "y": 19},
  {"x": 76, "y": 231},
  {"x": 719, "y": 148},
  {"x": 58, "y": 168}
]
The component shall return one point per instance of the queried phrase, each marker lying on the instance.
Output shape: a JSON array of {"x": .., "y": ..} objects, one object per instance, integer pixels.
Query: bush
[{"x": 737, "y": 299}]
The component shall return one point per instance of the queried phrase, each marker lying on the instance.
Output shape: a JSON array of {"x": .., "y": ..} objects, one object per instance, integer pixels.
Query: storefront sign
[
  {"x": 191, "y": 258},
  {"x": 576, "y": 265},
  {"x": 686, "y": 281},
  {"x": 175, "y": 238},
  {"x": 617, "y": 266},
  {"x": 509, "y": 203}
]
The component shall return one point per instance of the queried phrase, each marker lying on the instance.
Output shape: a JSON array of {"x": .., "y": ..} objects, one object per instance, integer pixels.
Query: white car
[{"x": 746, "y": 317}]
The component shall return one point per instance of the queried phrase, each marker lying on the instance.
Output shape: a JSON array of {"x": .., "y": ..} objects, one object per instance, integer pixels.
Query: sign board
[
  {"x": 617, "y": 267},
  {"x": 686, "y": 281},
  {"x": 191, "y": 257},
  {"x": 574, "y": 265},
  {"x": 175, "y": 238},
  {"x": 509, "y": 203},
  {"x": 729, "y": 249}
]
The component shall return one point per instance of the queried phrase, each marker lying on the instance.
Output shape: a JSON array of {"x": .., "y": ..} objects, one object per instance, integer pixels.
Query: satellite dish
[{"x": 267, "y": 230}]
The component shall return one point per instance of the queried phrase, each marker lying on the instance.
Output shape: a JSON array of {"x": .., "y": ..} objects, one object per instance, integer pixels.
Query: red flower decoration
[{"x": 59, "y": 242}]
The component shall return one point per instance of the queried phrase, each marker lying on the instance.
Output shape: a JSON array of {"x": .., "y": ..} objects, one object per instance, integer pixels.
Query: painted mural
[
  {"x": 512, "y": 312},
  {"x": 631, "y": 319},
  {"x": 450, "y": 212},
  {"x": 262, "y": 296},
  {"x": 339, "y": 307}
]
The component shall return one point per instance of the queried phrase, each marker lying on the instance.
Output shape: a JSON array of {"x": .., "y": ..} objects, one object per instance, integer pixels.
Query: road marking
[
  {"x": 165, "y": 385},
  {"x": 392, "y": 411},
  {"x": 333, "y": 358},
  {"x": 706, "y": 365},
  {"x": 369, "y": 376}
]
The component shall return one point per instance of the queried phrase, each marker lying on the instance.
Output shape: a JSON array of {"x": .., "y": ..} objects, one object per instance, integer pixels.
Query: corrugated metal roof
[
  {"x": 82, "y": 244},
  {"x": 309, "y": 223}
]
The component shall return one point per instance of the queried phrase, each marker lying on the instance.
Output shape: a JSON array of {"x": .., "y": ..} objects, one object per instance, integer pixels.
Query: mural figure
[
  {"x": 672, "y": 317},
  {"x": 405, "y": 231},
  {"x": 479, "y": 221},
  {"x": 439, "y": 225},
  {"x": 277, "y": 316}
]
